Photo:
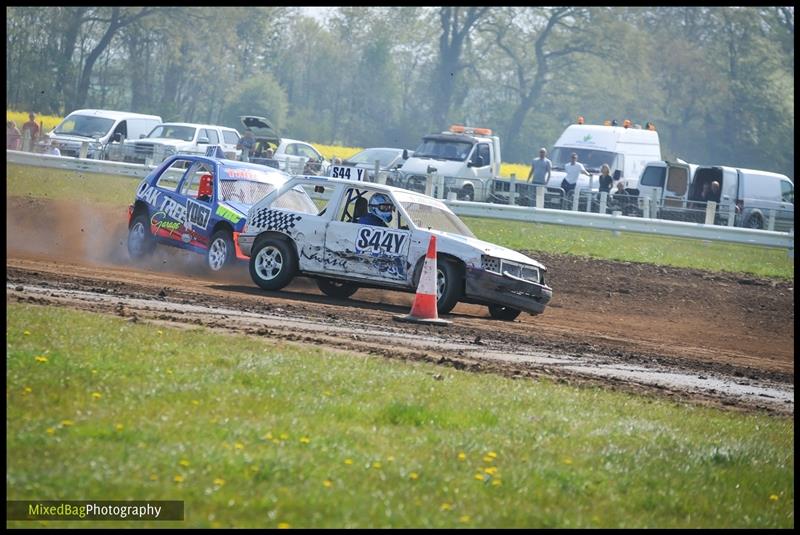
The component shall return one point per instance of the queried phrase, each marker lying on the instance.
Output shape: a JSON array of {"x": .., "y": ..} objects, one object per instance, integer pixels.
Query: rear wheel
[
  {"x": 504, "y": 313},
  {"x": 755, "y": 221},
  {"x": 140, "y": 241},
  {"x": 334, "y": 288},
  {"x": 221, "y": 250},
  {"x": 273, "y": 263}
]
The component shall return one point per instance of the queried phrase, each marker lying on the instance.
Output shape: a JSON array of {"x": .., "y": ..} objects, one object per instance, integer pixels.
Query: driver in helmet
[{"x": 379, "y": 212}]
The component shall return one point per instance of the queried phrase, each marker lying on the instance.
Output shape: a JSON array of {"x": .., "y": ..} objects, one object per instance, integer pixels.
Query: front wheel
[
  {"x": 221, "y": 250},
  {"x": 140, "y": 241},
  {"x": 273, "y": 263},
  {"x": 500, "y": 312},
  {"x": 334, "y": 288}
]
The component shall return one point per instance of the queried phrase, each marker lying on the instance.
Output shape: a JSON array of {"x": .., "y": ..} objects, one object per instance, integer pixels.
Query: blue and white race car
[{"x": 198, "y": 203}]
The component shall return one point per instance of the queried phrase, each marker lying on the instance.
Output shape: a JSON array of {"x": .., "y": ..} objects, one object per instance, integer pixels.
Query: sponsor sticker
[
  {"x": 380, "y": 241},
  {"x": 197, "y": 214}
]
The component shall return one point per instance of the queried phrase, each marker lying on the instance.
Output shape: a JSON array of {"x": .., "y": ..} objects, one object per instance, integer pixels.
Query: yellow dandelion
[
  {"x": 488, "y": 459},
  {"x": 446, "y": 506},
  {"x": 96, "y": 395},
  {"x": 27, "y": 390},
  {"x": 462, "y": 456},
  {"x": 50, "y": 431},
  {"x": 276, "y": 441},
  {"x": 219, "y": 481},
  {"x": 390, "y": 458},
  {"x": 348, "y": 461},
  {"x": 226, "y": 445},
  {"x": 41, "y": 358},
  {"x": 153, "y": 477},
  {"x": 119, "y": 427},
  {"x": 492, "y": 454},
  {"x": 305, "y": 440},
  {"x": 94, "y": 371},
  {"x": 183, "y": 462},
  {"x": 327, "y": 483},
  {"x": 327, "y": 393},
  {"x": 413, "y": 476},
  {"x": 195, "y": 402},
  {"x": 479, "y": 477},
  {"x": 283, "y": 525},
  {"x": 496, "y": 483},
  {"x": 216, "y": 524},
  {"x": 268, "y": 436},
  {"x": 27, "y": 333},
  {"x": 67, "y": 423},
  {"x": 492, "y": 470},
  {"x": 254, "y": 468},
  {"x": 160, "y": 332},
  {"x": 178, "y": 479},
  {"x": 774, "y": 497},
  {"x": 567, "y": 461},
  {"x": 239, "y": 446},
  {"x": 284, "y": 436},
  {"x": 169, "y": 372},
  {"x": 464, "y": 519},
  {"x": 376, "y": 465}
]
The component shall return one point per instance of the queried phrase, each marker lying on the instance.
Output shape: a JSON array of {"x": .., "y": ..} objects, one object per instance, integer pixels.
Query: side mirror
[
  {"x": 431, "y": 169},
  {"x": 202, "y": 141},
  {"x": 617, "y": 174},
  {"x": 405, "y": 154}
]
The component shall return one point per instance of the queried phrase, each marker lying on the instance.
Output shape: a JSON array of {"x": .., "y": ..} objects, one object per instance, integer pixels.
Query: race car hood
[
  {"x": 419, "y": 166},
  {"x": 486, "y": 248}
]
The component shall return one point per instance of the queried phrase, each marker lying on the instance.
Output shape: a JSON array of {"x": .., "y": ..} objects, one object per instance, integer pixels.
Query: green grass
[
  {"x": 633, "y": 247},
  {"x": 118, "y": 410},
  {"x": 713, "y": 256}
]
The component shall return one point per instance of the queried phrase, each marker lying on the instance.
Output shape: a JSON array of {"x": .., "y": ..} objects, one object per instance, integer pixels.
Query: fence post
[
  {"x": 771, "y": 223},
  {"x": 711, "y": 209},
  {"x": 589, "y": 198},
  {"x": 429, "y": 185},
  {"x": 377, "y": 171},
  {"x": 540, "y": 196},
  {"x": 615, "y": 219},
  {"x": 452, "y": 196},
  {"x": 576, "y": 198},
  {"x": 791, "y": 247},
  {"x": 732, "y": 215},
  {"x": 440, "y": 187},
  {"x": 646, "y": 207},
  {"x": 512, "y": 190},
  {"x": 84, "y": 149},
  {"x": 603, "y": 202},
  {"x": 656, "y": 193}
]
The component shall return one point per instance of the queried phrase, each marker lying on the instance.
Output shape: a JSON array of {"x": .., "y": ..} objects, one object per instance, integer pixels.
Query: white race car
[{"x": 287, "y": 234}]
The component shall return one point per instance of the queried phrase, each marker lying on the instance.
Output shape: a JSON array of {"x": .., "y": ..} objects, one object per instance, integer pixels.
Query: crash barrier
[{"x": 615, "y": 221}]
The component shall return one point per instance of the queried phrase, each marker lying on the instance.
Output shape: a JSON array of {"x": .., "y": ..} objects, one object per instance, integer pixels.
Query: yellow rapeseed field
[{"x": 328, "y": 151}]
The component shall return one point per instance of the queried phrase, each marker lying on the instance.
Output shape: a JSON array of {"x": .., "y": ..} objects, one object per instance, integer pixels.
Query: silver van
[{"x": 99, "y": 129}]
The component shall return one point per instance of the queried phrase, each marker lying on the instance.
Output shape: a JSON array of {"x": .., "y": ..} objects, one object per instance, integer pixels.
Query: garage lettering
[{"x": 380, "y": 241}]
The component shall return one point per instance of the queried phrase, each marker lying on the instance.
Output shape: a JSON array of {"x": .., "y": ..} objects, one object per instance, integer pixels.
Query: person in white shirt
[{"x": 573, "y": 170}]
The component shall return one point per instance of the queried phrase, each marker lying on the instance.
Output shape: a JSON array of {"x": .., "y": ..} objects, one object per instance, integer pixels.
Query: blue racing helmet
[{"x": 381, "y": 206}]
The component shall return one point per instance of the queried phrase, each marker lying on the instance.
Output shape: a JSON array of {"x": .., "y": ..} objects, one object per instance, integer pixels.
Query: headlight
[{"x": 520, "y": 271}]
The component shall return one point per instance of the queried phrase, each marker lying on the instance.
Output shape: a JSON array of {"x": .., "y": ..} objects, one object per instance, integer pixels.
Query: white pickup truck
[
  {"x": 468, "y": 158},
  {"x": 171, "y": 138}
]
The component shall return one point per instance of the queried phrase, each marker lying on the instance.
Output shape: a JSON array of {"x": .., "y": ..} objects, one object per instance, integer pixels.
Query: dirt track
[{"x": 606, "y": 320}]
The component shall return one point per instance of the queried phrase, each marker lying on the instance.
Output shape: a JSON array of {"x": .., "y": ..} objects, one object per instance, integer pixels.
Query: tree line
[{"x": 718, "y": 82}]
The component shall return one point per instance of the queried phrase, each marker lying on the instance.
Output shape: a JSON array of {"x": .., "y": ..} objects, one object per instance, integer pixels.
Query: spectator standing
[
  {"x": 247, "y": 143},
  {"x": 30, "y": 132},
  {"x": 573, "y": 170},
  {"x": 13, "y": 136},
  {"x": 540, "y": 168},
  {"x": 605, "y": 179}
]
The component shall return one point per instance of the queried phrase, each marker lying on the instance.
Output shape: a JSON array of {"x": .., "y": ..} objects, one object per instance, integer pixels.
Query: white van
[
  {"x": 625, "y": 150},
  {"x": 100, "y": 128}
]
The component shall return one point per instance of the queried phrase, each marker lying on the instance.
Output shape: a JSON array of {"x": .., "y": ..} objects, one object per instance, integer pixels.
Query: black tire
[
  {"x": 755, "y": 221},
  {"x": 141, "y": 242},
  {"x": 336, "y": 288},
  {"x": 449, "y": 284},
  {"x": 500, "y": 312},
  {"x": 221, "y": 250},
  {"x": 468, "y": 193},
  {"x": 273, "y": 263}
]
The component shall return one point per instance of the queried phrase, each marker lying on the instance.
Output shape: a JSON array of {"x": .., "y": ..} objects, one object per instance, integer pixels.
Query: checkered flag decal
[{"x": 275, "y": 220}]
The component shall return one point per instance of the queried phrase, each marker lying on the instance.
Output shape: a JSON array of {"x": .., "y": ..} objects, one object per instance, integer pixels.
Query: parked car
[
  {"x": 389, "y": 160},
  {"x": 189, "y": 138},
  {"x": 291, "y": 155},
  {"x": 100, "y": 128},
  {"x": 288, "y": 235},
  {"x": 197, "y": 203}
]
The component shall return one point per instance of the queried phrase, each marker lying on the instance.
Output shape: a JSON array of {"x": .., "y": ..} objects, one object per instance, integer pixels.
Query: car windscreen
[
  {"x": 369, "y": 156},
  {"x": 296, "y": 200},
  {"x": 245, "y": 191},
  {"x": 429, "y": 213},
  {"x": 166, "y": 131},
  {"x": 85, "y": 126},
  {"x": 440, "y": 149},
  {"x": 592, "y": 159}
]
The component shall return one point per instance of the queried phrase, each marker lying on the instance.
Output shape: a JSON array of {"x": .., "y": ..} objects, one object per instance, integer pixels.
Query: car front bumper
[
  {"x": 245, "y": 243},
  {"x": 491, "y": 288}
]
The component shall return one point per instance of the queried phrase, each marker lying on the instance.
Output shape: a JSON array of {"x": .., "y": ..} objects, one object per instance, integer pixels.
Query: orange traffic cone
[{"x": 424, "y": 308}]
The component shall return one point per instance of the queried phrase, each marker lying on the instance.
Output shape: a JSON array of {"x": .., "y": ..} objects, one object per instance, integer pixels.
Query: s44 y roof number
[{"x": 347, "y": 173}]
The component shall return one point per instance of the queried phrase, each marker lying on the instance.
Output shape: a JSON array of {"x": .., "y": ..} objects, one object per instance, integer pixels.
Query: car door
[
  {"x": 786, "y": 212},
  {"x": 168, "y": 207},
  {"x": 197, "y": 224},
  {"x": 364, "y": 251}
]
